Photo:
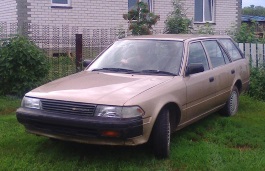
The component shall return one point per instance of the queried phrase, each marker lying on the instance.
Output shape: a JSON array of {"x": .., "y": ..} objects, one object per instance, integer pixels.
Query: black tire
[
  {"x": 161, "y": 135},
  {"x": 231, "y": 106}
]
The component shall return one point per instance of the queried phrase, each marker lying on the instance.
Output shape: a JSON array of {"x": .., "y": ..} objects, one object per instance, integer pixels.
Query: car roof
[{"x": 179, "y": 37}]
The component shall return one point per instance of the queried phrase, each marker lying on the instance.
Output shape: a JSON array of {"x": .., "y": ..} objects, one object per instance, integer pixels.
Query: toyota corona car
[{"x": 139, "y": 89}]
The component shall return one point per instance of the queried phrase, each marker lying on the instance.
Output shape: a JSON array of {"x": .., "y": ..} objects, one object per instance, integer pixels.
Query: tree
[
  {"x": 177, "y": 22},
  {"x": 254, "y": 10},
  {"x": 141, "y": 19}
]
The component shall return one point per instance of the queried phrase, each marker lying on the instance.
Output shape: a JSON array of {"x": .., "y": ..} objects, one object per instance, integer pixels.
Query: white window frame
[
  {"x": 61, "y": 5},
  {"x": 203, "y": 13},
  {"x": 150, "y": 5}
]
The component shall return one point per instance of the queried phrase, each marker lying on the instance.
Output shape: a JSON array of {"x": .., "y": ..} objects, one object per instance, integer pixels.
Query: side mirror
[
  {"x": 194, "y": 68},
  {"x": 86, "y": 62}
]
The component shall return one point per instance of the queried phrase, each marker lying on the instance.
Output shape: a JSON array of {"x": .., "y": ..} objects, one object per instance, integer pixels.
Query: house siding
[{"x": 8, "y": 11}]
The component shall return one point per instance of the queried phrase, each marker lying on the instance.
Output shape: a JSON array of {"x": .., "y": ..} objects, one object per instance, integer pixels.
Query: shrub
[
  {"x": 257, "y": 83},
  {"x": 23, "y": 66},
  {"x": 177, "y": 22},
  {"x": 141, "y": 19},
  {"x": 205, "y": 29},
  {"x": 245, "y": 33}
]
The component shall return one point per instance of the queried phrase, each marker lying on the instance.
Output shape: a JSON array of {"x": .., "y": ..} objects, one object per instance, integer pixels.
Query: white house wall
[
  {"x": 227, "y": 13},
  {"x": 162, "y": 8},
  {"x": 91, "y": 13},
  {"x": 106, "y": 13},
  {"x": 84, "y": 13},
  {"x": 8, "y": 11}
]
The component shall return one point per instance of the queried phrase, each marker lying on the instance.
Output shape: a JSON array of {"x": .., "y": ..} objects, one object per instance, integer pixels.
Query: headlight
[
  {"x": 32, "y": 103},
  {"x": 118, "y": 112}
]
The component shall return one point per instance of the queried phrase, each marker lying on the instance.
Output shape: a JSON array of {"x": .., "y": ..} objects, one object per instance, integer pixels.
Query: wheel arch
[
  {"x": 174, "y": 113},
  {"x": 238, "y": 85}
]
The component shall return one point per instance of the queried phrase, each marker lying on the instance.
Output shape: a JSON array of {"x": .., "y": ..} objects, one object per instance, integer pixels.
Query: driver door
[{"x": 201, "y": 87}]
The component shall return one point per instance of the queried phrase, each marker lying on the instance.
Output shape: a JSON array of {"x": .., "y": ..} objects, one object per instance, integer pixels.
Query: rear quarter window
[{"x": 231, "y": 48}]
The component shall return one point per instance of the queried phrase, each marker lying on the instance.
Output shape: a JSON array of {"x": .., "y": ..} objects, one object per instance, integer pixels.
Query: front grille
[{"x": 65, "y": 107}]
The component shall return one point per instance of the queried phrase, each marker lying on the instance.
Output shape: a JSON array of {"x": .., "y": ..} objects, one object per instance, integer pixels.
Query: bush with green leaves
[
  {"x": 206, "y": 28},
  {"x": 257, "y": 83},
  {"x": 23, "y": 66},
  {"x": 141, "y": 19},
  {"x": 245, "y": 33},
  {"x": 177, "y": 22}
]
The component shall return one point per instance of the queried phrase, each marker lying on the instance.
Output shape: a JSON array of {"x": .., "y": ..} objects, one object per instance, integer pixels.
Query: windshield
[{"x": 138, "y": 56}]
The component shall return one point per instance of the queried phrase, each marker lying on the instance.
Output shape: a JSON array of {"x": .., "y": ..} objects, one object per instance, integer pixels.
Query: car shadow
[
  {"x": 93, "y": 152},
  {"x": 121, "y": 153}
]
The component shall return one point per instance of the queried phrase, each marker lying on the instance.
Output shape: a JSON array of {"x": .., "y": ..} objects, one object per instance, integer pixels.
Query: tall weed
[{"x": 257, "y": 83}]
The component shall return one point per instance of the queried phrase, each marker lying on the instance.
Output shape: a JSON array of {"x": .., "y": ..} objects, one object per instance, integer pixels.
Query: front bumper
[{"x": 79, "y": 128}]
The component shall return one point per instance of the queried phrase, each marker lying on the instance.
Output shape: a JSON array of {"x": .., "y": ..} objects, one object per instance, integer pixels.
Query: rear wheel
[
  {"x": 231, "y": 106},
  {"x": 161, "y": 135}
]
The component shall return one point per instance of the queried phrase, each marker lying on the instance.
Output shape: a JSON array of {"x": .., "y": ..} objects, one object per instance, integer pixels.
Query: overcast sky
[{"x": 253, "y": 2}]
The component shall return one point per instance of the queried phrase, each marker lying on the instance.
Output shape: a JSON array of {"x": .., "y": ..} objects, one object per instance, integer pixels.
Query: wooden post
[{"x": 78, "y": 48}]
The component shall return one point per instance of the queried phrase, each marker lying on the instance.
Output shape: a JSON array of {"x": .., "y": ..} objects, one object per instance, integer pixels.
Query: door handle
[
  {"x": 211, "y": 79},
  {"x": 232, "y": 71}
]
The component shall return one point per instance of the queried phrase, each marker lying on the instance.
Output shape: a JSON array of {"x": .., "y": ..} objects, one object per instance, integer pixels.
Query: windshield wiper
[
  {"x": 156, "y": 72},
  {"x": 113, "y": 69}
]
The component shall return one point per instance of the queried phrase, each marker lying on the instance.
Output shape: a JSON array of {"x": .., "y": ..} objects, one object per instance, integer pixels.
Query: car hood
[{"x": 98, "y": 87}]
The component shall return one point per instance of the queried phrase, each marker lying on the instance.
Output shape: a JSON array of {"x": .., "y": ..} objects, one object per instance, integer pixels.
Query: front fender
[{"x": 154, "y": 99}]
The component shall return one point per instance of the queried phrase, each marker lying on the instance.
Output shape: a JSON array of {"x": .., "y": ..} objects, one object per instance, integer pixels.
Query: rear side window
[
  {"x": 231, "y": 49},
  {"x": 215, "y": 53}
]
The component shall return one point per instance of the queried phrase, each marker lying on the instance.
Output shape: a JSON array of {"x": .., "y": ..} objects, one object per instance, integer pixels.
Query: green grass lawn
[{"x": 214, "y": 143}]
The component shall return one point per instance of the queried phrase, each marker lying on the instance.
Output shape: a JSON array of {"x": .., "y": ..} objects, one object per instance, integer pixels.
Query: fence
[
  {"x": 254, "y": 52},
  {"x": 60, "y": 43},
  {"x": 65, "y": 51}
]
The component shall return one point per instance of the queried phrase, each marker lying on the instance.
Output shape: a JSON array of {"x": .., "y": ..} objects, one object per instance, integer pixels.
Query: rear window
[{"x": 231, "y": 49}]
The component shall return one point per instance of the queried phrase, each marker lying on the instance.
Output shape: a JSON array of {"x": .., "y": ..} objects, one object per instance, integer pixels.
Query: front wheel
[
  {"x": 231, "y": 106},
  {"x": 161, "y": 135}
]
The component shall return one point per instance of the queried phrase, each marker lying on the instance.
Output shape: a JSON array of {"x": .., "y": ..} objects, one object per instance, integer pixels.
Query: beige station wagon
[{"x": 139, "y": 89}]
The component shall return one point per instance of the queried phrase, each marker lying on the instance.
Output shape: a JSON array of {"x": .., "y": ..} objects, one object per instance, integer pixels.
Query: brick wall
[
  {"x": 8, "y": 11},
  {"x": 106, "y": 13},
  {"x": 90, "y": 13},
  {"x": 227, "y": 13},
  {"x": 84, "y": 13},
  {"x": 162, "y": 8}
]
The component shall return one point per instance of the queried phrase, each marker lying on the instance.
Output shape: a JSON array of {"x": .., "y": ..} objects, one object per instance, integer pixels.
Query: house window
[
  {"x": 61, "y": 3},
  {"x": 132, "y": 4},
  {"x": 204, "y": 11}
]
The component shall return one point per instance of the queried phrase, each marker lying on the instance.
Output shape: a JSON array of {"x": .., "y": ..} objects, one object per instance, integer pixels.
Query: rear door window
[
  {"x": 215, "y": 53},
  {"x": 231, "y": 49}
]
